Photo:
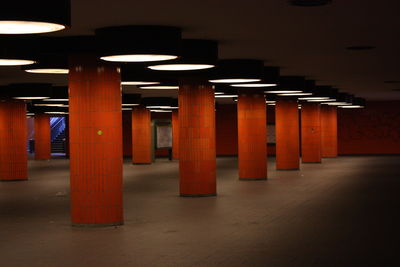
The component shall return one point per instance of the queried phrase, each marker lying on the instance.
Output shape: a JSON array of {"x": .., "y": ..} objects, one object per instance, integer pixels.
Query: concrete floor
[{"x": 344, "y": 212}]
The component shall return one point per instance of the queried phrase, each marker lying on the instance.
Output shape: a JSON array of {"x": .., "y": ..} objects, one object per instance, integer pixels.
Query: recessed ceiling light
[
  {"x": 157, "y": 107},
  {"x": 53, "y": 99},
  {"x": 160, "y": 87},
  {"x": 30, "y": 97},
  {"x": 56, "y": 112},
  {"x": 49, "y": 105},
  {"x": 225, "y": 96},
  {"x": 282, "y": 91},
  {"x": 28, "y": 27},
  {"x": 15, "y": 62},
  {"x": 137, "y": 83},
  {"x": 160, "y": 110},
  {"x": 181, "y": 67},
  {"x": 314, "y": 98},
  {"x": 130, "y": 105},
  {"x": 234, "y": 80},
  {"x": 351, "y": 106},
  {"x": 254, "y": 85},
  {"x": 138, "y": 58},
  {"x": 295, "y": 94},
  {"x": 48, "y": 71},
  {"x": 321, "y": 100}
]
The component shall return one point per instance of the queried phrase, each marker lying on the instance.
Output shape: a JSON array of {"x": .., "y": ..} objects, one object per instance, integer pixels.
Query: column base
[
  {"x": 14, "y": 180},
  {"x": 84, "y": 225},
  {"x": 199, "y": 195},
  {"x": 252, "y": 179}
]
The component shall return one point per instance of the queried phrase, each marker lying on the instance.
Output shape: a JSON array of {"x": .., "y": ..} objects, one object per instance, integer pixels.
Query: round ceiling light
[
  {"x": 196, "y": 54},
  {"x": 139, "y": 43},
  {"x": 28, "y": 27},
  {"x": 33, "y": 17},
  {"x": 181, "y": 67},
  {"x": 160, "y": 87},
  {"x": 138, "y": 83},
  {"x": 15, "y": 62},
  {"x": 254, "y": 85},
  {"x": 238, "y": 71},
  {"x": 48, "y": 71}
]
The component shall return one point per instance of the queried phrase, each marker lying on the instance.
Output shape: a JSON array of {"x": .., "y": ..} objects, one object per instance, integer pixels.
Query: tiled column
[
  {"x": 197, "y": 158},
  {"x": 310, "y": 133},
  {"x": 141, "y": 135},
  {"x": 13, "y": 141},
  {"x": 42, "y": 137},
  {"x": 95, "y": 142},
  {"x": 175, "y": 134},
  {"x": 127, "y": 133},
  {"x": 287, "y": 134},
  {"x": 329, "y": 141},
  {"x": 252, "y": 135}
]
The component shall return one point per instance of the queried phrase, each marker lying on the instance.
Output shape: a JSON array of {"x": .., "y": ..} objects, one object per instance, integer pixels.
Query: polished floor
[{"x": 344, "y": 212}]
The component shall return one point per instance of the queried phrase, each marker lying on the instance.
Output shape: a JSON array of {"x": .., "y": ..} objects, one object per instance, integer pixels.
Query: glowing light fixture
[
  {"x": 321, "y": 100},
  {"x": 254, "y": 85},
  {"x": 28, "y": 27},
  {"x": 15, "y": 62},
  {"x": 56, "y": 112},
  {"x": 130, "y": 100},
  {"x": 314, "y": 98},
  {"x": 282, "y": 92},
  {"x": 351, "y": 106},
  {"x": 130, "y": 105},
  {"x": 160, "y": 87},
  {"x": 181, "y": 67},
  {"x": 160, "y": 110},
  {"x": 295, "y": 94},
  {"x": 30, "y": 91},
  {"x": 32, "y": 17},
  {"x": 139, "y": 43},
  {"x": 49, "y": 105},
  {"x": 138, "y": 58},
  {"x": 196, "y": 55},
  {"x": 137, "y": 83},
  {"x": 238, "y": 71},
  {"x": 48, "y": 71},
  {"x": 234, "y": 80},
  {"x": 225, "y": 96}
]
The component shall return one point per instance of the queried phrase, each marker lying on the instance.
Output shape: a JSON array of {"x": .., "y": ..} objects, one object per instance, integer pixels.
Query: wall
[{"x": 373, "y": 130}]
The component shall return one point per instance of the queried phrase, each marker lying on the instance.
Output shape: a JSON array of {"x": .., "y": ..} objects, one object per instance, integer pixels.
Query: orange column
[
  {"x": 252, "y": 135},
  {"x": 287, "y": 134},
  {"x": 127, "y": 133},
  {"x": 329, "y": 141},
  {"x": 310, "y": 133},
  {"x": 13, "y": 141},
  {"x": 141, "y": 135},
  {"x": 95, "y": 121},
  {"x": 175, "y": 134},
  {"x": 42, "y": 137},
  {"x": 197, "y": 158}
]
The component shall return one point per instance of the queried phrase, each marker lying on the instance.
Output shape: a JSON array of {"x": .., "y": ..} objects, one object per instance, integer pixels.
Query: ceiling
[{"x": 308, "y": 41}]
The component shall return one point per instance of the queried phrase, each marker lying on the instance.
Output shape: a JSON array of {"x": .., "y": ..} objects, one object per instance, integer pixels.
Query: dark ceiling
[{"x": 308, "y": 41}]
